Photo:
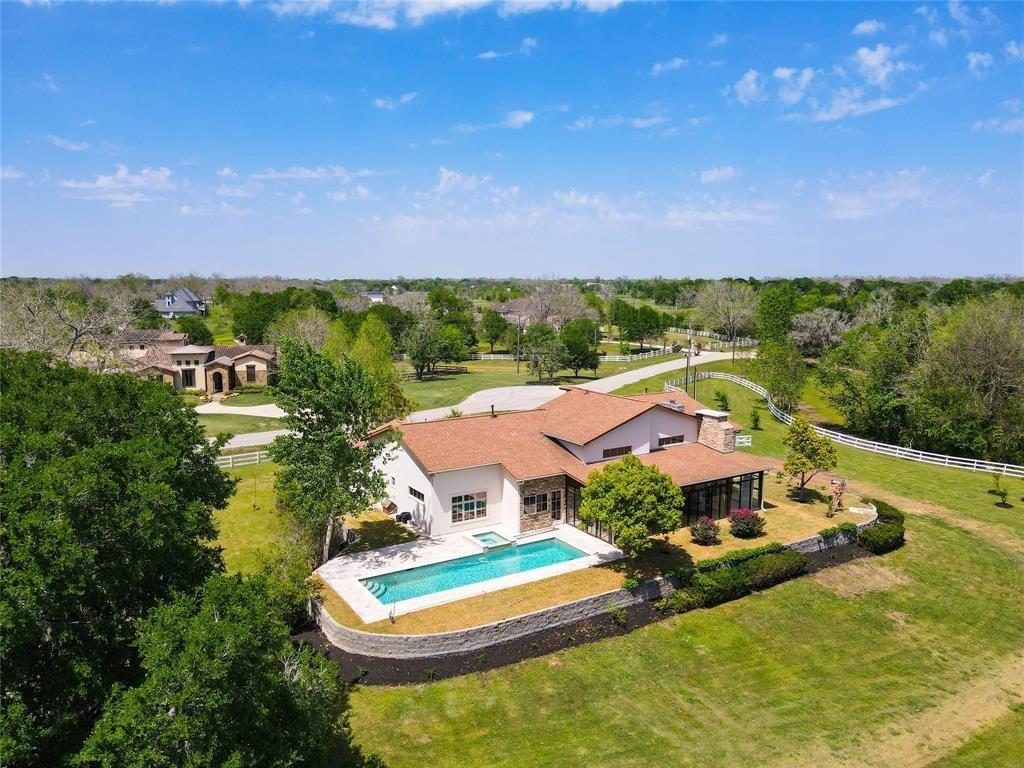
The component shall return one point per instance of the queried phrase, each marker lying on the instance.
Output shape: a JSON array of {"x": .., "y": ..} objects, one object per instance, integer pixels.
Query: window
[
  {"x": 188, "y": 377},
  {"x": 142, "y": 346},
  {"x": 177, "y": 362},
  {"x": 611, "y": 453},
  {"x": 469, "y": 506},
  {"x": 535, "y": 504},
  {"x": 671, "y": 440},
  {"x": 415, "y": 494},
  {"x": 556, "y": 505},
  {"x": 250, "y": 373}
]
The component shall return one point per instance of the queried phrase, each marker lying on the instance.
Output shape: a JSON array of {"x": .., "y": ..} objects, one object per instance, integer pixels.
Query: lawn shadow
[
  {"x": 344, "y": 753},
  {"x": 662, "y": 556}
]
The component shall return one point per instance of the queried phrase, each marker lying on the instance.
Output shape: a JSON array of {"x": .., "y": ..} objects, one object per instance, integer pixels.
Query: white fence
[
  {"x": 242, "y": 459},
  {"x": 660, "y": 352},
  {"x": 910, "y": 454},
  {"x": 742, "y": 341}
]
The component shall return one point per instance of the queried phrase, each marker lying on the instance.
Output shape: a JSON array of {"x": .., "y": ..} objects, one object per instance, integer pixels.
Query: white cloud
[
  {"x": 647, "y": 122},
  {"x": 234, "y": 210},
  {"x": 1013, "y": 50},
  {"x": 978, "y": 63},
  {"x": 337, "y": 195},
  {"x": 86, "y": 123},
  {"x": 67, "y": 144},
  {"x": 226, "y": 172},
  {"x": 749, "y": 88},
  {"x": 721, "y": 173},
  {"x": 877, "y": 65},
  {"x": 304, "y": 211},
  {"x": 362, "y": 193},
  {"x": 668, "y": 66},
  {"x": 795, "y": 83},
  {"x": 573, "y": 198},
  {"x": 960, "y": 14},
  {"x": 391, "y": 103},
  {"x": 302, "y": 173},
  {"x": 49, "y": 83},
  {"x": 580, "y": 123},
  {"x": 10, "y": 173},
  {"x": 869, "y": 27},
  {"x": 985, "y": 180},
  {"x": 709, "y": 212},
  {"x": 297, "y": 198},
  {"x": 719, "y": 39},
  {"x": 873, "y": 194},
  {"x": 929, "y": 14},
  {"x": 454, "y": 181},
  {"x": 698, "y": 121},
  {"x": 517, "y": 118},
  {"x": 528, "y": 45},
  {"x": 1002, "y": 123},
  {"x": 939, "y": 37},
  {"x": 190, "y": 210},
  {"x": 122, "y": 188},
  {"x": 850, "y": 102},
  {"x": 225, "y": 190}
]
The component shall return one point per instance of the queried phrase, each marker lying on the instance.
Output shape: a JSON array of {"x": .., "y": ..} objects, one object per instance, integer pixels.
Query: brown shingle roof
[
  {"x": 580, "y": 415},
  {"x": 696, "y": 463}
]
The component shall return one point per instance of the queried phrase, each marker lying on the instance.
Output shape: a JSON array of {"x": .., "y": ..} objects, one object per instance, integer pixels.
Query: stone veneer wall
[
  {"x": 716, "y": 432},
  {"x": 540, "y": 520},
  {"x": 476, "y": 638}
]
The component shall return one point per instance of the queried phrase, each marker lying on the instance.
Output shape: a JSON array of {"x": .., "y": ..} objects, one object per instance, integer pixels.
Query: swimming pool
[
  {"x": 427, "y": 579},
  {"x": 490, "y": 540}
]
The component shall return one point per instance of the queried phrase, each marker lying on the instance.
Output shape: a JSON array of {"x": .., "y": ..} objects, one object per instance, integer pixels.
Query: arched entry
[{"x": 218, "y": 382}]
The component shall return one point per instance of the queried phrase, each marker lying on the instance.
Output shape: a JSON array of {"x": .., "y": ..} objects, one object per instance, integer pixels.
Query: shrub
[
  {"x": 683, "y": 600},
  {"x": 630, "y": 583},
  {"x": 721, "y": 585},
  {"x": 849, "y": 529},
  {"x": 887, "y": 513},
  {"x": 746, "y": 523},
  {"x": 618, "y": 615},
  {"x": 882, "y": 537},
  {"x": 704, "y": 532},
  {"x": 738, "y": 556},
  {"x": 755, "y": 419},
  {"x": 771, "y": 569},
  {"x": 722, "y": 399}
]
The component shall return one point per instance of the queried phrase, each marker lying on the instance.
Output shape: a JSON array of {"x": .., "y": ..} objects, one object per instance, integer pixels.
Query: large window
[
  {"x": 535, "y": 503},
  {"x": 719, "y": 497},
  {"x": 188, "y": 377},
  {"x": 611, "y": 453},
  {"x": 671, "y": 440},
  {"x": 469, "y": 506},
  {"x": 556, "y": 505},
  {"x": 250, "y": 373}
]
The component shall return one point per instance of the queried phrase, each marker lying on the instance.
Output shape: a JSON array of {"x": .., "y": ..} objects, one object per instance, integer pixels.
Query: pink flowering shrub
[
  {"x": 746, "y": 523},
  {"x": 704, "y": 531}
]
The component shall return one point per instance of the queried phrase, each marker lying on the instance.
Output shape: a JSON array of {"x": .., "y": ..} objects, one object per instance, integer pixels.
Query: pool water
[
  {"x": 490, "y": 539},
  {"x": 428, "y": 579}
]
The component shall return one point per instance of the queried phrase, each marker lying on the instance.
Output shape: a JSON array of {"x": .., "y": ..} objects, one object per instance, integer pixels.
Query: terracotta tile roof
[
  {"x": 695, "y": 463},
  {"x": 237, "y": 350},
  {"x": 191, "y": 349}
]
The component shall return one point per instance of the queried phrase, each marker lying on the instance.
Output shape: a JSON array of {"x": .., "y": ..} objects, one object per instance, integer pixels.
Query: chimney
[{"x": 492, "y": 411}]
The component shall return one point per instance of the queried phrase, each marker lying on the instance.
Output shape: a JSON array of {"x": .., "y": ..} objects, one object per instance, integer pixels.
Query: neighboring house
[
  {"x": 374, "y": 297},
  {"x": 210, "y": 369},
  {"x": 180, "y": 303},
  {"x": 519, "y": 312},
  {"x": 135, "y": 343},
  {"x": 524, "y": 470}
]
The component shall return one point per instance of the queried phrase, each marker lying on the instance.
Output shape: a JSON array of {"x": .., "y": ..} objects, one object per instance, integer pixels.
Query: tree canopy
[
  {"x": 107, "y": 487},
  {"x": 809, "y": 452},
  {"x": 579, "y": 337},
  {"x": 633, "y": 501},
  {"x": 198, "y": 332}
]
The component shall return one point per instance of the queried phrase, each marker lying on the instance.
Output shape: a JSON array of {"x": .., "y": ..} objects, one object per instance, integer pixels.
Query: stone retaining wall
[{"x": 478, "y": 638}]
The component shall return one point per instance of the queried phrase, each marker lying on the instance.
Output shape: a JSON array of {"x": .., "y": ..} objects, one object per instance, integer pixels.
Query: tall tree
[
  {"x": 107, "y": 487},
  {"x": 776, "y": 305},
  {"x": 779, "y": 368},
  {"x": 726, "y": 306},
  {"x": 579, "y": 337},
  {"x": 198, "y": 332},
  {"x": 809, "y": 452},
  {"x": 375, "y": 351},
  {"x": 544, "y": 350},
  {"x": 328, "y": 461},
  {"x": 223, "y": 686},
  {"x": 423, "y": 347},
  {"x": 310, "y": 325},
  {"x": 818, "y": 331},
  {"x": 493, "y": 327},
  {"x": 633, "y": 501},
  {"x": 450, "y": 309}
]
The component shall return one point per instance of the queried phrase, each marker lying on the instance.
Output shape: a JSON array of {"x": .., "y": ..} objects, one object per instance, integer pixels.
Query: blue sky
[{"x": 459, "y": 137}]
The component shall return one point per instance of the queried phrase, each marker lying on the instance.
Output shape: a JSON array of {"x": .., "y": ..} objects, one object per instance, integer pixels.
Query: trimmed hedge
[
  {"x": 882, "y": 537},
  {"x": 737, "y": 556},
  {"x": 887, "y": 513},
  {"x": 730, "y": 582},
  {"x": 850, "y": 529}
]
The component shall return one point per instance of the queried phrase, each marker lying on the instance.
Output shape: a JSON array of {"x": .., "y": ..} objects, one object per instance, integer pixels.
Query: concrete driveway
[{"x": 267, "y": 411}]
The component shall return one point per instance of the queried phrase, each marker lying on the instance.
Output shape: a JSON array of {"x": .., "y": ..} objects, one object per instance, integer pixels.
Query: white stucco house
[{"x": 523, "y": 471}]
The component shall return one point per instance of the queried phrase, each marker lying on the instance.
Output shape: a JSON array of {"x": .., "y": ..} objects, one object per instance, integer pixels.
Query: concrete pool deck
[{"x": 343, "y": 573}]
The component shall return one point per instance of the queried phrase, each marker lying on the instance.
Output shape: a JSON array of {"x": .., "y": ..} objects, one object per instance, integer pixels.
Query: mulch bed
[{"x": 375, "y": 670}]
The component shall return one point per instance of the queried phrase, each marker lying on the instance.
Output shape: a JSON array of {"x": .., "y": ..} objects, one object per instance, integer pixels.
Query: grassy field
[
  {"x": 912, "y": 659},
  {"x": 249, "y": 522},
  {"x": 215, "y": 423},
  {"x": 219, "y": 323},
  {"x": 484, "y": 374}
]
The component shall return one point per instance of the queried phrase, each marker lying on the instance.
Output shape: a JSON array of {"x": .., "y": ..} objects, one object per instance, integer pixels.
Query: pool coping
[{"x": 344, "y": 574}]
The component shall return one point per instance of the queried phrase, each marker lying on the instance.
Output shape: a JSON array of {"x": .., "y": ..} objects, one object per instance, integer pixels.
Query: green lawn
[
  {"x": 215, "y": 423},
  {"x": 248, "y": 398},
  {"x": 923, "y": 667},
  {"x": 484, "y": 374},
  {"x": 250, "y": 521}
]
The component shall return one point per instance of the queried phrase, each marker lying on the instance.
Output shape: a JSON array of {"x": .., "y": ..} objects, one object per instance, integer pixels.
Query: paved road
[
  {"x": 518, "y": 398},
  {"x": 267, "y": 411}
]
